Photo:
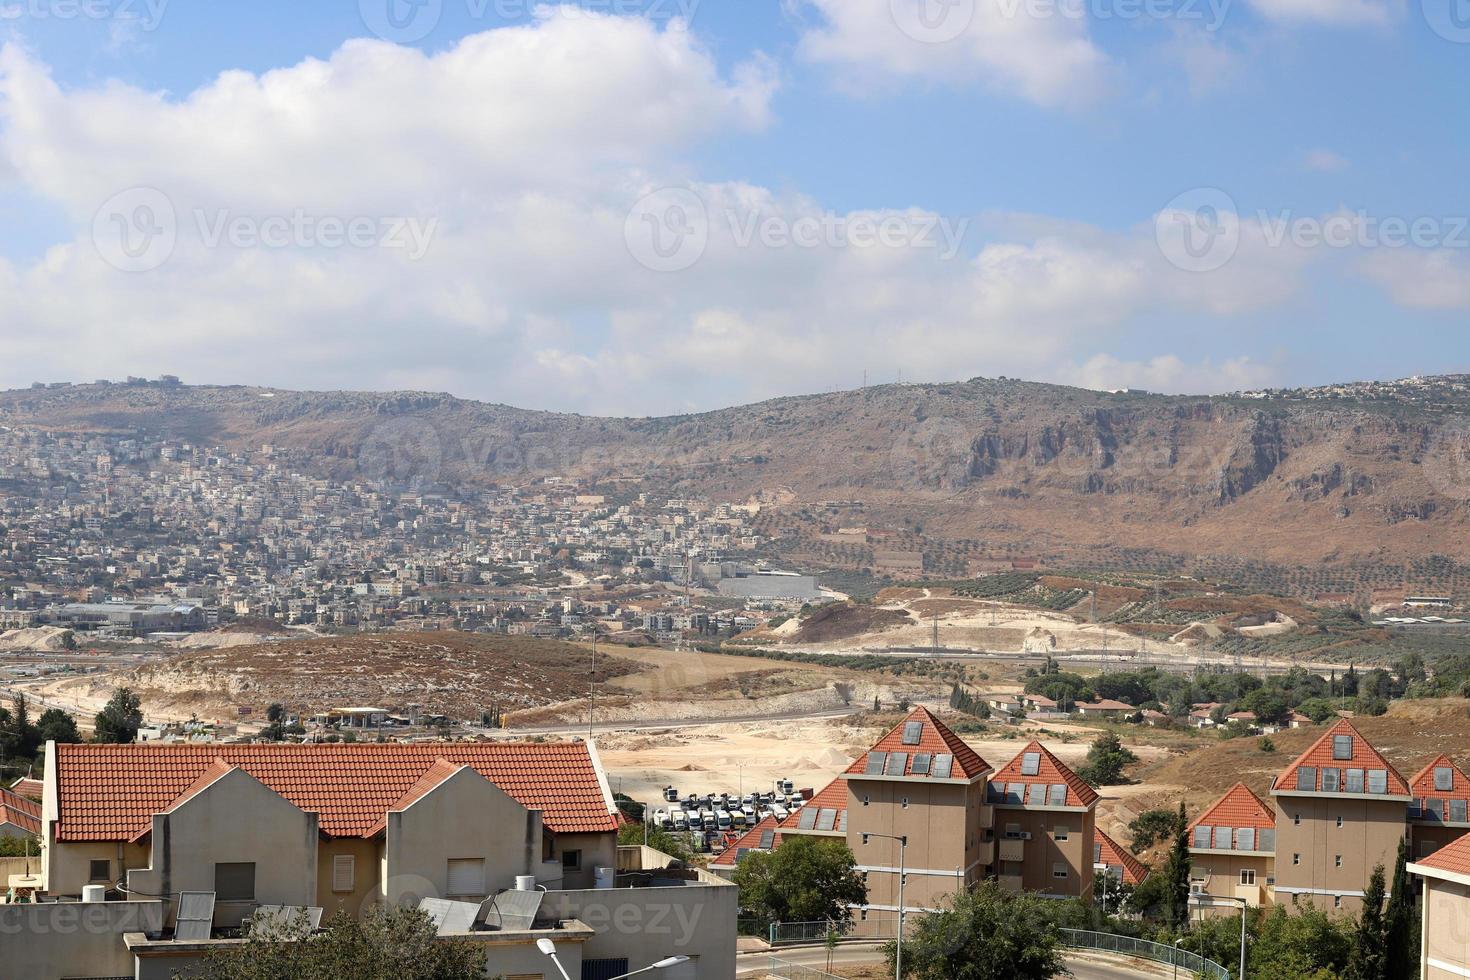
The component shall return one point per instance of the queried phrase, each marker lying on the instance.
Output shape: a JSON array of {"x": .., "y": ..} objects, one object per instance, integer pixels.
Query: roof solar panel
[
  {"x": 1057, "y": 795},
  {"x": 897, "y": 763},
  {"x": 876, "y": 762},
  {"x": 942, "y": 766},
  {"x": 913, "y": 731},
  {"x": 1031, "y": 764},
  {"x": 808, "y": 818},
  {"x": 196, "y": 916},
  {"x": 276, "y": 920},
  {"x": 512, "y": 910},
  {"x": 921, "y": 763},
  {"x": 768, "y": 839},
  {"x": 826, "y": 819},
  {"x": 842, "y": 820},
  {"x": 450, "y": 917}
]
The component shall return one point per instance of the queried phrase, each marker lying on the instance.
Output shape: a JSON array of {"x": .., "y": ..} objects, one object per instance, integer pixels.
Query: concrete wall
[
  {"x": 1307, "y": 848},
  {"x": 644, "y": 925},
  {"x": 597, "y": 851},
  {"x": 69, "y": 865},
  {"x": 367, "y": 857},
  {"x": 942, "y": 832},
  {"x": 51, "y": 941},
  {"x": 1446, "y": 932},
  {"x": 1048, "y": 846},
  {"x": 464, "y": 817},
  {"x": 234, "y": 819},
  {"x": 1224, "y": 868}
]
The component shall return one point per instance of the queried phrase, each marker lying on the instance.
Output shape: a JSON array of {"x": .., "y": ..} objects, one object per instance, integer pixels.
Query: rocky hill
[{"x": 1367, "y": 472}]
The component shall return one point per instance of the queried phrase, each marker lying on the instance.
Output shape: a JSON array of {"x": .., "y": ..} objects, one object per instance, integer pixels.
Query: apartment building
[
  {"x": 1439, "y": 813},
  {"x": 1232, "y": 848},
  {"x": 1045, "y": 824},
  {"x": 1116, "y": 862},
  {"x": 1445, "y": 938},
  {"x": 343, "y": 828},
  {"x": 1342, "y": 808}
]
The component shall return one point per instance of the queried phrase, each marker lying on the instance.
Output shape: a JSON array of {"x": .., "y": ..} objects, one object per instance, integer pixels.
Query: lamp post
[
  {"x": 1209, "y": 900},
  {"x": 903, "y": 846},
  {"x": 548, "y": 947}
]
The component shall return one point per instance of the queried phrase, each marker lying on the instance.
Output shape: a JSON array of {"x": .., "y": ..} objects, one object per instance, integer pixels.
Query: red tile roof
[
  {"x": 1050, "y": 772},
  {"x": 832, "y": 797},
  {"x": 1422, "y": 785},
  {"x": 20, "y": 812},
  {"x": 1113, "y": 854},
  {"x": 1454, "y": 857},
  {"x": 935, "y": 738},
  {"x": 1239, "y": 807},
  {"x": 749, "y": 841},
  {"x": 28, "y": 787},
  {"x": 1319, "y": 756},
  {"x": 110, "y": 792}
]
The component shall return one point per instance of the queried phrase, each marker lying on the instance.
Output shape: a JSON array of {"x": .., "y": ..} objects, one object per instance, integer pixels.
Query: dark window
[
  {"x": 101, "y": 871},
  {"x": 571, "y": 859},
  {"x": 234, "y": 882},
  {"x": 603, "y": 969}
]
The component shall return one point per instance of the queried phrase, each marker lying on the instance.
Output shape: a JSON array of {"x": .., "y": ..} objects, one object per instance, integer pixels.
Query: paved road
[{"x": 1088, "y": 967}]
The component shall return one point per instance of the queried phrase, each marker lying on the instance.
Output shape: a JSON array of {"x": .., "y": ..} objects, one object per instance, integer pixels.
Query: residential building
[
  {"x": 1046, "y": 823},
  {"x": 1232, "y": 848},
  {"x": 347, "y": 827},
  {"x": 1115, "y": 861},
  {"x": 1438, "y": 813},
  {"x": 1342, "y": 810},
  {"x": 1444, "y": 953},
  {"x": 1106, "y": 708}
]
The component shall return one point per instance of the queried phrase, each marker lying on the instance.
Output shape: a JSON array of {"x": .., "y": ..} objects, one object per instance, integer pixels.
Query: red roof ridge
[
  {"x": 1286, "y": 781},
  {"x": 754, "y": 833},
  {"x": 935, "y": 735},
  {"x": 1085, "y": 795},
  {"x": 1134, "y": 870},
  {"x": 1239, "y": 795},
  {"x": 20, "y": 804}
]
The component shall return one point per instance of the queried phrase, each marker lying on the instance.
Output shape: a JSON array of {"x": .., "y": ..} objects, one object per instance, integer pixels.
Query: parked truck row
[{"x": 724, "y": 812}]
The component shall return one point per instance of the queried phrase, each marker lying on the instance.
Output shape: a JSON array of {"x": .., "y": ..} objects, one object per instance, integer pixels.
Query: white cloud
[
  {"x": 1041, "y": 52},
  {"x": 1346, "y": 13},
  {"x": 1324, "y": 161},
  {"x": 1169, "y": 374},
  {"x": 1437, "y": 279}
]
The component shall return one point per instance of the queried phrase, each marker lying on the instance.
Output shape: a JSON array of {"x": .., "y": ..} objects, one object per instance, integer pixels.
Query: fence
[
  {"x": 783, "y": 970},
  {"x": 801, "y": 933},
  {"x": 1143, "y": 949}
]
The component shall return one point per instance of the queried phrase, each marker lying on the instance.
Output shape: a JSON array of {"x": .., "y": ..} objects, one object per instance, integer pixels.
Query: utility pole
[{"x": 936, "y": 633}]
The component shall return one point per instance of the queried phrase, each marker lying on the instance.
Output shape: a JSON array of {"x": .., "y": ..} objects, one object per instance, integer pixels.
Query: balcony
[
  {"x": 1012, "y": 849},
  {"x": 986, "y": 852},
  {"x": 1252, "y": 894}
]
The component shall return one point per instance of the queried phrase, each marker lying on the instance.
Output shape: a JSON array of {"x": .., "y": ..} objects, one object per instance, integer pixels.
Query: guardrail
[
  {"x": 1144, "y": 949},
  {"x": 784, "y": 970}
]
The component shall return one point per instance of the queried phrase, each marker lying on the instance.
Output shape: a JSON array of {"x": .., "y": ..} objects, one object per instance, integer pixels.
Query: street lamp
[
  {"x": 903, "y": 846},
  {"x": 548, "y": 947},
  {"x": 1210, "y": 900}
]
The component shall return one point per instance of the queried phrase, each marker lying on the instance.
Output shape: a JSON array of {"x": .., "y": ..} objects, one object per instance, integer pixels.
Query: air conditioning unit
[{"x": 1025, "y": 835}]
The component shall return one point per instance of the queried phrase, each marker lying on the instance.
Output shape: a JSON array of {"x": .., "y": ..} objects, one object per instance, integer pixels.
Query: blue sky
[{"x": 1065, "y": 145}]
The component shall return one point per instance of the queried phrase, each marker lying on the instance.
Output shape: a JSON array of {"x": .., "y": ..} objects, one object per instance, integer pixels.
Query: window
[
  {"x": 1061, "y": 832},
  {"x": 1339, "y": 823},
  {"x": 1337, "y": 901},
  {"x": 1031, "y": 764},
  {"x": 344, "y": 873},
  {"x": 912, "y": 732},
  {"x": 100, "y": 871},
  {"x": 1306, "y": 778},
  {"x": 1296, "y": 819},
  {"x": 1337, "y": 860},
  {"x": 234, "y": 882},
  {"x": 467, "y": 875},
  {"x": 905, "y": 802},
  {"x": 1059, "y": 870},
  {"x": 1247, "y": 876},
  {"x": 1296, "y": 859},
  {"x": 1444, "y": 778},
  {"x": 1342, "y": 747},
  {"x": 1013, "y": 831},
  {"x": 865, "y": 800}
]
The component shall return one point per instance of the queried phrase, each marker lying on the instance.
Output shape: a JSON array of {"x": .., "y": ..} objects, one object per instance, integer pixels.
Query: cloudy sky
[{"x": 657, "y": 206}]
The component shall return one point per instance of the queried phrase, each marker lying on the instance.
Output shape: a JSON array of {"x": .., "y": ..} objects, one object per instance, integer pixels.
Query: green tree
[
  {"x": 120, "y": 719},
  {"x": 1401, "y": 922},
  {"x": 1176, "y": 875},
  {"x": 1106, "y": 761},
  {"x": 806, "y": 879},
  {"x": 986, "y": 934},
  {"x": 631, "y": 834},
  {"x": 394, "y": 945},
  {"x": 1369, "y": 960},
  {"x": 1269, "y": 707},
  {"x": 1317, "y": 709},
  {"x": 58, "y": 726},
  {"x": 1307, "y": 945},
  {"x": 1150, "y": 826},
  {"x": 276, "y": 713}
]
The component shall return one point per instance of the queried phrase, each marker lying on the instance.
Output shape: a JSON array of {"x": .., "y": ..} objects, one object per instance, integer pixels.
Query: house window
[
  {"x": 1247, "y": 876},
  {"x": 1337, "y": 860},
  {"x": 467, "y": 877},
  {"x": 100, "y": 871},
  {"x": 1062, "y": 832},
  {"x": 1337, "y": 901},
  {"x": 1296, "y": 819},
  {"x": 1013, "y": 831},
  {"x": 1339, "y": 823},
  {"x": 905, "y": 802},
  {"x": 866, "y": 801},
  {"x": 234, "y": 882},
  {"x": 1059, "y": 871},
  {"x": 344, "y": 873},
  {"x": 1296, "y": 859},
  {"x": 571, "y": 860}
]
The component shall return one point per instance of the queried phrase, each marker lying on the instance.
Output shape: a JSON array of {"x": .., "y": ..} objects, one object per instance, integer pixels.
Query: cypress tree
[
  {"x": 1176, "y": 873},
  {"x": 1370, "y": 960},
  {"x": 1401, "y": 927}
]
